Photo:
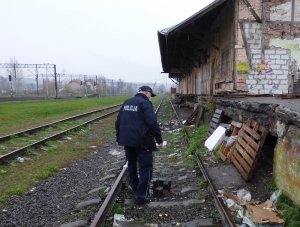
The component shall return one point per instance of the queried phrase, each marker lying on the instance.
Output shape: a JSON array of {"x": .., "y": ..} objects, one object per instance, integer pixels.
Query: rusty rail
[
  {"x": 110, "y": 199},
  {"x": 222, "y": 208},
  {"x": 31, "y": 130},
  {"x": 21, "y": 150}
]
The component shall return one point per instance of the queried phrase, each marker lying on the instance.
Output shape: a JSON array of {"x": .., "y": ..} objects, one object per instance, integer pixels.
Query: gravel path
[{"x": 53, "y": 201}]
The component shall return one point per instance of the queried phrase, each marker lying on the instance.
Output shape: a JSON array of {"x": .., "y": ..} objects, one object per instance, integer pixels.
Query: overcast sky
[{"x": 114, "y": 38}]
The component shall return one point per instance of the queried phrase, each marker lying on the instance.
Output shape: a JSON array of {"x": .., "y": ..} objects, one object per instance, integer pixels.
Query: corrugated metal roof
[{"x": 192, "y": 18}]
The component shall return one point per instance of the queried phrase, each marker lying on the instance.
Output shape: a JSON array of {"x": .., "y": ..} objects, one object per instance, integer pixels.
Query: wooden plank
[
  {"x": 241, "y": 160},
  {"x": 246, "y": 146},
  {"x": 236, "y": 124},
  {"x": 244, "y": 154},
  {"x": 249, "y": 140},
  {"x": 240, "y": 169},
  {"x": 251, "y": 132}
]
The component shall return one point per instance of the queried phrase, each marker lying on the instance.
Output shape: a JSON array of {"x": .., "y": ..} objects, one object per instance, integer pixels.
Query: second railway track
[{"x": 17, "y": 143}]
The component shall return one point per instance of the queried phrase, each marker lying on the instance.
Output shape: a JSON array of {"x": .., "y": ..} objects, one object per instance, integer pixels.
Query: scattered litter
[
  {"x": 92, "y": 147},
  {"x": 230, "y": 141},
  {"x": 32, "y": 189},
  {"x": 260, "y": 215},
  {"x": 68, "y": 138},
  {"x": 114, "y": 152},
  {"x": 248, "y": 222},
  {"x": 117, "y": 219},
  {"x": 20, "y": 159},
  {"x": 2, "y": 171},
  {"x": 244, "y": 195},
  {"x": 275, "y": 195},
  {"x": 4, "y": 210},
  {"x": 230, "y": 203},
  {"x": 175, "y": 131},
  {"x": 251, "y": 212},
  {"x": 163, "y": 215},
  {"x": 215, "y": 139}
]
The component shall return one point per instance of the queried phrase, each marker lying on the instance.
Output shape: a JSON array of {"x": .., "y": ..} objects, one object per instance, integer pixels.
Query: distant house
[{"x": 235, "y": 46}]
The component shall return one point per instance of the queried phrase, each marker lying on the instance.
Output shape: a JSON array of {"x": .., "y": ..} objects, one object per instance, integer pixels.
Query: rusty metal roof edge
[{"x": 192, "y": 18}]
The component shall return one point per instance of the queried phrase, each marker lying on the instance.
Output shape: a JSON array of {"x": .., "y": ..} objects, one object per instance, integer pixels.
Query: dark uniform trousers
[{"x": 140, "y": 185}]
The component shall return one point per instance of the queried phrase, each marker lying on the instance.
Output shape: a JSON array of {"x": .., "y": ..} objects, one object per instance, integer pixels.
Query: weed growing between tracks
[{"x": 18, "y": 178}]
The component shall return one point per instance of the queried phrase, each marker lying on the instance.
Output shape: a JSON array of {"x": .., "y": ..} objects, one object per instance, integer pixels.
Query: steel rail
[
  {"x": 110, "y": 199},
  {"x": 222, "y": 208},
  {"x": 57, "y": 135},
  {"x": 182, "y": 126},
  {"x": 6, "y": 137}
]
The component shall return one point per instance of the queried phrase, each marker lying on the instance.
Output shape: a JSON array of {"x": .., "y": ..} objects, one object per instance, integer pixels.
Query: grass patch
[
  {"x": 25, "y": 175},
  {"x": 197, "y": 139},
  {"x": 45, "y": 173},
  {"x": 26, "y": 114},
  {"x": 16, "y": 191},
  {"x": 202, "y": 194},
  {"x": 291, "y": 212},
  {"x": 271, "y": 185}
]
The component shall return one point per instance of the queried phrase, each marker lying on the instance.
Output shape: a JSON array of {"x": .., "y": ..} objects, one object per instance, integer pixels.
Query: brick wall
[{"x": 272, "y": 75}]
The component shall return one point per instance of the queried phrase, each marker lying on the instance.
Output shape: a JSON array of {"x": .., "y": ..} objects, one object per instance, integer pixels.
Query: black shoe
[{"x": 141, "y": 201}]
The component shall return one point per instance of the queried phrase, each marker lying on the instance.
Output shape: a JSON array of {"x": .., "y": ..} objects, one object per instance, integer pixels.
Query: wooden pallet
[
  {"x": 224, "y": 150},
  {"x": 245, "y": 152},
  {"x": 215, "y": 121}
]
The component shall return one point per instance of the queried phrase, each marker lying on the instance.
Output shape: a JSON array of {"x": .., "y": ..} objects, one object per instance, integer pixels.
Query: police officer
[{"x": 137, "y": 130}]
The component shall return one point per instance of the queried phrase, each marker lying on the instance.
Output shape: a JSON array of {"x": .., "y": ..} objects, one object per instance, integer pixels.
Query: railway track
[
  {"x": 110, "y": 199},
  {"x": 18, "y": 143},
  {"x": 69, "y": 195},
  {"x": 224, "y": 213}
]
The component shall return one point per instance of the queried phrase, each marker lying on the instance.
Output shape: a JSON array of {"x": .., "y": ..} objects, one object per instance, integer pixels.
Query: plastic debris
[
  {"x": 117, "y": 219},
  {"x": 215, "y": 139},
  {"x": 230, "y": 203},
  {"x": 230, "y": 141},
  {"x": 244, "y": 195},
  {"x": 275, "y": 195},
  {"x": 20, "y": 159}
]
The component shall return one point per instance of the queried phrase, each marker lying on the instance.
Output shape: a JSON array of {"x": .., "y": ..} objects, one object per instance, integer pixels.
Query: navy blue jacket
[{"x": 137, "y": 125}]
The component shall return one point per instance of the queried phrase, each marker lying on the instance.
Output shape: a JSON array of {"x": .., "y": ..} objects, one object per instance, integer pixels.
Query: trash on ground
[{"x": 215, "y": 139}]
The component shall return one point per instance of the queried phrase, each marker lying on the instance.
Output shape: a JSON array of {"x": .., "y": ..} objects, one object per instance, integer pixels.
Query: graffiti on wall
[
  {"x": 242, "y": 72},
  {"x": 264, "y": 67}
]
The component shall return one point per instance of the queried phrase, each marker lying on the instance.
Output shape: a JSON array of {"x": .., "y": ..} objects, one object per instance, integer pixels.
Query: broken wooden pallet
[
  {"x": 245, "y": 152},
  {"x": 215, "y": 121}
]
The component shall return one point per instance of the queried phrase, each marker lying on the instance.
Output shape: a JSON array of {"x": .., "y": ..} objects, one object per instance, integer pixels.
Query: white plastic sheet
[{"x": 215, "y": 139}]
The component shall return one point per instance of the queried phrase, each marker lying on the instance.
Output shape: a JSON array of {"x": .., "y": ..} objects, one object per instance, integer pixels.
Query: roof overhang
[{"x": 173, "y": 41}]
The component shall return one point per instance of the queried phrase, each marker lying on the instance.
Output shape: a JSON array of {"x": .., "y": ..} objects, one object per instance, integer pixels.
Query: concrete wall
[{"x": 287, "y": 162}]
